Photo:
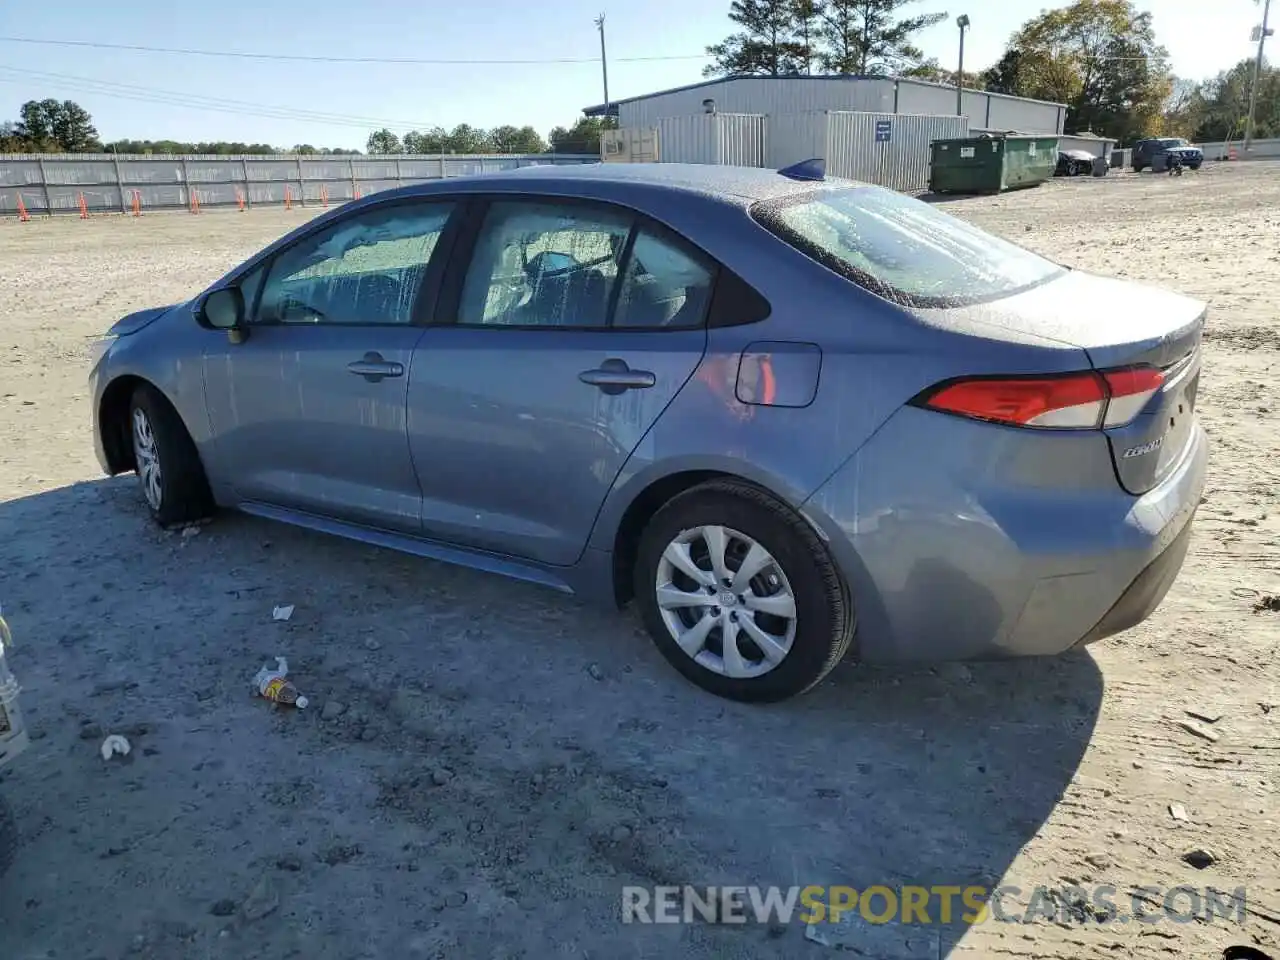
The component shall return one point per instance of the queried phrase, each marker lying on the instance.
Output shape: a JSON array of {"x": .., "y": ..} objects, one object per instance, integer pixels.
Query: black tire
[
  {"x": 183, "y": 495},
  {"x": 1194, "y": 166},
  {"x": 8, "y": 837},
  {"x": 824, "y": 623}
]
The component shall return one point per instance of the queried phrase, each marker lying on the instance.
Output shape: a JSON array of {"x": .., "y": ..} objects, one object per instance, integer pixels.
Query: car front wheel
[
  {"x": 166, "y": 460},
  {"x": 740, "y": 595}
]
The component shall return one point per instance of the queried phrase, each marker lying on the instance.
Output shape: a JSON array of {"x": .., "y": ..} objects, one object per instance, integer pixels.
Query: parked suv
[{"x": 1145, "y": 152}]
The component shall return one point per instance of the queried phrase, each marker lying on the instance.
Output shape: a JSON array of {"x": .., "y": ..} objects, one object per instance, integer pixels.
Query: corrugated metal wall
[
  {"x": 847, "y": 141},
  {"x": 1025, "y": 116},
  {"x": 794, "y": 137},
  {"x": 775, "y": 96},
  {"x": 986, "y": 111},
  {"x": 762, "y": 95},
  {"x": 54, "y": 183},
  {"x": 728, "y": 138},
  {"x": 902, "y": 162}
]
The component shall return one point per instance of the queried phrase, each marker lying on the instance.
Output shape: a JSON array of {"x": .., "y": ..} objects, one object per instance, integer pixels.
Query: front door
[
  {"x": 309, "y": 412},
  {"x": 576, "y": 327}
]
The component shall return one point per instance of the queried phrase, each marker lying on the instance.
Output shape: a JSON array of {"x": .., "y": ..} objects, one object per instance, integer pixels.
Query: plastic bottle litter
[
  {"x": 115, "y": 744},
  {"x": 275, "y": 685}
]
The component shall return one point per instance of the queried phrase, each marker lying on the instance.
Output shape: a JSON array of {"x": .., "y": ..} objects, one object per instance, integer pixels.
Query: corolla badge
[{"x": 1142, "y": 449}]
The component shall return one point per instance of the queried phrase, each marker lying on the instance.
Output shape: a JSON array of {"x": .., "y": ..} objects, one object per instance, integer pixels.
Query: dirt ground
[{"x": 487, "y": 764}]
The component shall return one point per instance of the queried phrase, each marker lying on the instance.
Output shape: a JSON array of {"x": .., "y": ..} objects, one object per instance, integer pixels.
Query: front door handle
[
  {"x": 374, "y": 368},
  {"x": 614, "y": 377}
]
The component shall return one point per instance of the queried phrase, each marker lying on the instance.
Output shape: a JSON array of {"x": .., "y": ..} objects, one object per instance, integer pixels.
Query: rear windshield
[{"x": 903, "y": 249}]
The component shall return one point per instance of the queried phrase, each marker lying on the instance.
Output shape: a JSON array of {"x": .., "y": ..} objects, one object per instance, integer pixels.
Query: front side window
[
  {"x": 544, "y": 265},
  {"x": 365, "y": 269},
  {"x": 903, "y": 249}
]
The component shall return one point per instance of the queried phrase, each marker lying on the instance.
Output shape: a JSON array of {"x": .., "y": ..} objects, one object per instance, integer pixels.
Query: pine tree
[
  {"x": 767, "y": 45},
  {"x": 866, "y": 37}
]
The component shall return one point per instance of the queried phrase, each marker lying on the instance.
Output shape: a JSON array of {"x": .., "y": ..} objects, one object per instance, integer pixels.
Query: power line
[
  {"x": 125, "y": 91},
  {"x": 316, "y": 58}
]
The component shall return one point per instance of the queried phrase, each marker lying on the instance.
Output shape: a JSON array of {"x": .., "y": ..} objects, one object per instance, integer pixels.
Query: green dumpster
[{"x": 991, "y": 163}]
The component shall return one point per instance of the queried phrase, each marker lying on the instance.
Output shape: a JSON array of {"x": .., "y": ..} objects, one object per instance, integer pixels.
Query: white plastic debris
[
  {"x": 282, "y": 612},
  {"x": 115, "y": 744}
]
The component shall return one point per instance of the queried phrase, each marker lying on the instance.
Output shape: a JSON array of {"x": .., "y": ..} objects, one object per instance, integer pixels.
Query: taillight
[
  {"x": 1130, "y": 390},
  {"x": 1073, "y": 401}
]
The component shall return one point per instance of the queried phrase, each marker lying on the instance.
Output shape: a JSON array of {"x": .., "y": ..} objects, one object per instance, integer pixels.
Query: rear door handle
[
  {"x": 374, "y": 368},
  {"x": 614, "y": 377}
]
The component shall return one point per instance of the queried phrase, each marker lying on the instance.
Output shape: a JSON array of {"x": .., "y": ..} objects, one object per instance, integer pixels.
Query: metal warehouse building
[{"x": 775, "y": 96}]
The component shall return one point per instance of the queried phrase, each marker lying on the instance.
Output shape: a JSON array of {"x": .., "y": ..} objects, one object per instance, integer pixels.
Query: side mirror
[{"x": 223, "y": 309}]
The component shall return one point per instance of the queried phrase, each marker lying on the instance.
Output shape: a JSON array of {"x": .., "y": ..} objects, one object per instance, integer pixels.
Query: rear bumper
[
  {"x": 1146, "y": 592},
  {"x": 960, "y": 557}
]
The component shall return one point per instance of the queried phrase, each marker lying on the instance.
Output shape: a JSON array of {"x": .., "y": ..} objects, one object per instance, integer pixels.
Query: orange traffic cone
[
  {"x": 288, "y": 198},
  {"x": 356, "y": 191},
  {"x": 84, "y": 207},
  {"x": 137, "y": 203},
  {"x": 1231, "y": 154},
  {"x": 23, "y": 216},
  {"x": 324, "y": 195},
  {"x": 240, "y": 200},
  {"x": 195, "y": 202}
]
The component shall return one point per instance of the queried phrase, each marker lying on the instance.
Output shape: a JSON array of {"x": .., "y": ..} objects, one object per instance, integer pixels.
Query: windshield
[
  {"x": 903, "y": 249},
  {"x": 1174, "y": 142}
]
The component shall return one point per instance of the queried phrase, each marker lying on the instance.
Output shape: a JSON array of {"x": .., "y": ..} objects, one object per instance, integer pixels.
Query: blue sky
[{"x": 1202, "y": 38}]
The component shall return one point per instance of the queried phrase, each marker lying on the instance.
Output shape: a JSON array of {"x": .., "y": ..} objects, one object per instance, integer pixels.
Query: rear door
[{"x": 572, "y": 327}]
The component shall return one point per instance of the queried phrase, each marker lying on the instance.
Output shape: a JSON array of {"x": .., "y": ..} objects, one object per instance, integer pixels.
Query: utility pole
[
  {"x": 1263, "y": 33},
  {"x": 962, "y": 22},
  {"x": 604, "y": 64}
]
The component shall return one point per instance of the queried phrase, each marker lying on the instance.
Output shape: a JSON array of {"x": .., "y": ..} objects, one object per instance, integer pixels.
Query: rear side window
[
  {"x": 903, "y": 249},
  {"x": 664, "y": 286}
]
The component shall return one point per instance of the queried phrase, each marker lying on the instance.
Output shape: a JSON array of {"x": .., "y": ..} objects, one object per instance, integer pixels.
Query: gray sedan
[{"x": 793, "y": 418}]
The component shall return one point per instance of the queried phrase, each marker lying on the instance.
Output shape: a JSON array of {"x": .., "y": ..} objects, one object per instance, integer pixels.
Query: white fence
[
  {"x": 735, "y": 139},
  {"x": 892, "y": 150},
  {"x": 55, "y": 183},
  {"x": 1259, "y": 150}
]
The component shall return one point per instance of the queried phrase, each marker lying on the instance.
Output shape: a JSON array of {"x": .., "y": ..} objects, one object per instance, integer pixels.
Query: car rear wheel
[
  {"x": 740, "y": 595},
  {"x": 166, "y": 460}
]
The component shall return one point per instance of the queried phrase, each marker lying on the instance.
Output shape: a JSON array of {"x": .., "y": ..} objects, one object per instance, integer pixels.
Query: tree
[
  {"x": 1003, "y": 76},
  {"x": 384, "y": 141},
  {"x": 11, "y": 139},
  {"x": 1100, "y": 57},
  {"x": 1218, "y": 108},
  {"x": 509, "y": 139},
  {"x": 73, "y": 129},
  {"x": 434, "y": 140},
  {"x": 804, "y": 14},
  {"x": 465, "y": 138},
  {"x": 867, "y": 38},
  {"x": 582, "y": 137},
  {"x": 36, "y": 125},
  {"x": 767, "y": 46}
]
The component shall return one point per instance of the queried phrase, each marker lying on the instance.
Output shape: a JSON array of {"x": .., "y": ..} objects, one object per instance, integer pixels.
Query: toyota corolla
[{"x": 794, "y": 418}]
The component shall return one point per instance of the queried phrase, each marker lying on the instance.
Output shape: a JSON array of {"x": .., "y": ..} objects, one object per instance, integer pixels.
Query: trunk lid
[{"x": 1119, "y": 324}]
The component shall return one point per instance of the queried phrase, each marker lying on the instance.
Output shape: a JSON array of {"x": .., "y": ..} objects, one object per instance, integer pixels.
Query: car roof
[{"x": 621, "y": 180}]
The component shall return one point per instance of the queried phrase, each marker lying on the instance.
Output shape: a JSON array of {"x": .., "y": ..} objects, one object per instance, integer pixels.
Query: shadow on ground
[{"x": 485, "y": 765}]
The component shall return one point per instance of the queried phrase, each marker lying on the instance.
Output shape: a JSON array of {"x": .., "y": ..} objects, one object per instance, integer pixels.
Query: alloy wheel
[
  {"x": 147, "y": 457},
  {"x": 726, "y": 601}
]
